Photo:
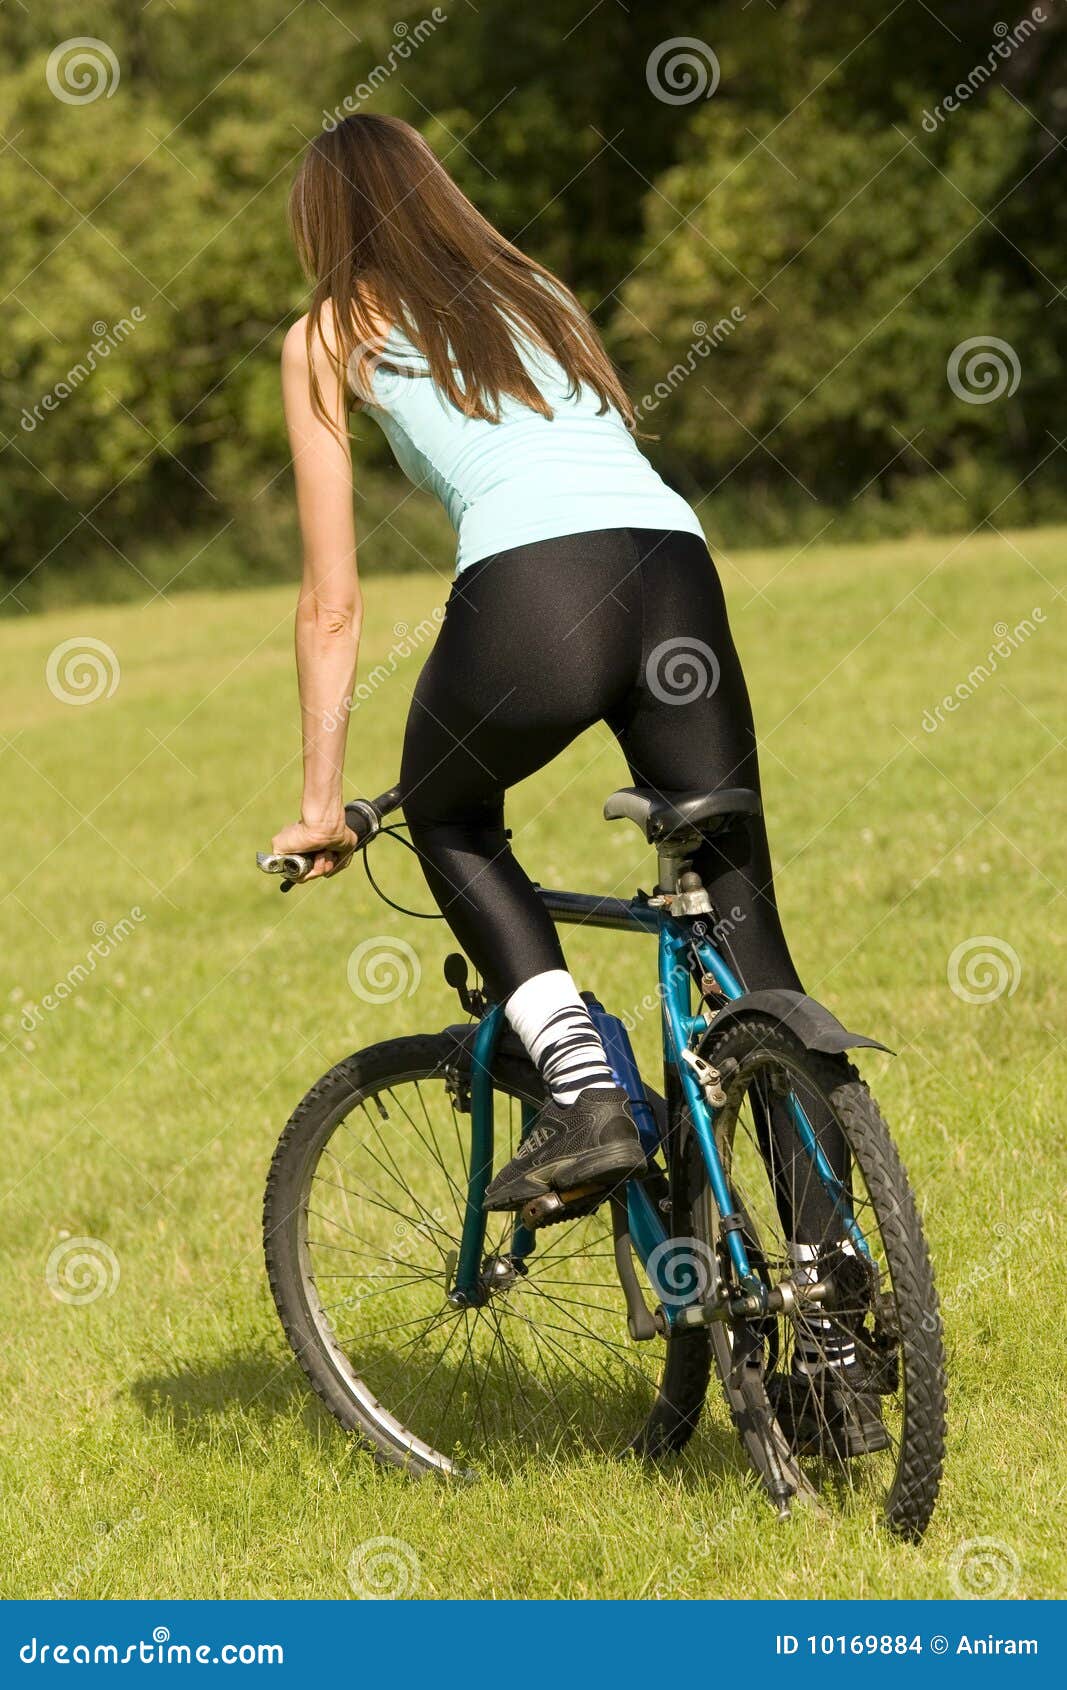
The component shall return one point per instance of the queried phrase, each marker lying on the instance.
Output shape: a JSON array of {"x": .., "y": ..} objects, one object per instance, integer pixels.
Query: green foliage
[
  {"x": 830, "y": 364},
  {"x": 856, "y": 239}
]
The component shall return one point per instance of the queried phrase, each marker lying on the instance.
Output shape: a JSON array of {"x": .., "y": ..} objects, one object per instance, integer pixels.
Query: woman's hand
[{"x": 331, "y": 840}]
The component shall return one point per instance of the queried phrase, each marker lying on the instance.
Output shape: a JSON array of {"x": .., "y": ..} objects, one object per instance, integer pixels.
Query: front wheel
[
  {"x": 878, "y": 1342},
  {"x": 362, "y": 1222}
]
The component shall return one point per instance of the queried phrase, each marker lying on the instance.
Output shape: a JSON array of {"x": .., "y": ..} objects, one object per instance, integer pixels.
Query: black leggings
[{"x": 625, "y": 626}]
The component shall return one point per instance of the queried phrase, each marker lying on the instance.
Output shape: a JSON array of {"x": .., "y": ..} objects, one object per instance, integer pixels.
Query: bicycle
[{"x": 471, "y": 1335}]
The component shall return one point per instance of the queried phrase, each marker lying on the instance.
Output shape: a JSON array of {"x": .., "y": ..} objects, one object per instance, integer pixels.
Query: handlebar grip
[{"x": 364, "y": 815}]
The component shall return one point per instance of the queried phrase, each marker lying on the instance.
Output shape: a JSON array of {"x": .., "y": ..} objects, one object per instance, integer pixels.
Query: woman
[{"x": 579, "y": 573}]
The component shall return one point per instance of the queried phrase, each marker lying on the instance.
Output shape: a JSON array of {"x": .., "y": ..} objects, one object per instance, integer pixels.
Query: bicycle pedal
[{"x": 557, "y": 1206}]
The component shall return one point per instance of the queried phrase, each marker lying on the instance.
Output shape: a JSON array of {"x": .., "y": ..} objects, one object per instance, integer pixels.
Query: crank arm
[{"x": 641, "y": 1322}]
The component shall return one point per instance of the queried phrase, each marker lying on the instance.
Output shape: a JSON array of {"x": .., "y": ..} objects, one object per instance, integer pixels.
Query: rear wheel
[
  {"x": 362, "y": 1224},
  {"x": 884, "y": 1313}
]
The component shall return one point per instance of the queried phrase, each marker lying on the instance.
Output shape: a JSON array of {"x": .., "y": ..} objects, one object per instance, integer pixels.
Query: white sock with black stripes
[
  {"x": 557, "y": 1030},
  {"x": 820, "y": 1343}
]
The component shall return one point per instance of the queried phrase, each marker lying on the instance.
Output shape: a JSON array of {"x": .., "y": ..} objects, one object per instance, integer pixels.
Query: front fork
[{"x": 467, "y": 1289}]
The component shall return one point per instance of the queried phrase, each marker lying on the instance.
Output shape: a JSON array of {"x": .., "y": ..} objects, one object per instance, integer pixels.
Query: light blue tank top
[{"x": 526, "y": 477}]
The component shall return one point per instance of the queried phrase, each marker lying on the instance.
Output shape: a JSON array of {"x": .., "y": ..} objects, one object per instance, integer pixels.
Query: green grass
[{"x": 159, "y": 1440}]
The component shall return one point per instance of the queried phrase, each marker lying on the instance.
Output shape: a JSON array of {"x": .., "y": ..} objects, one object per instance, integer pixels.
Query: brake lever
[{"x": 294, "y": 865}]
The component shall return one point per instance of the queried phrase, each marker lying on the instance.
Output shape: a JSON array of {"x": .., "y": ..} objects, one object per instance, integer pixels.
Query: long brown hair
[{"x": 386, "y": 236}]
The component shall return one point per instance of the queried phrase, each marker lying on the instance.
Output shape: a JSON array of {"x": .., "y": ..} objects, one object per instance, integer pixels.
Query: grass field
[{"x": 158, "y": 1439}]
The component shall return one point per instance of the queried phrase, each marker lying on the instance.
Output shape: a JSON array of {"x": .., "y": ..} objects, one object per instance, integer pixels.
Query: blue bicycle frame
[{"x": 681, "y": 944}]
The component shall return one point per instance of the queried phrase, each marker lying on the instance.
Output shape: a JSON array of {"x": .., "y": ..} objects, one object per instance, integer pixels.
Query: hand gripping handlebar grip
[{"x": 364, "y": 817}]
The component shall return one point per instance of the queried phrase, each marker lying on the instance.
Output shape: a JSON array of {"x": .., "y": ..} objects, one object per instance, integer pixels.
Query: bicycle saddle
[{"x": 673, "y": 815}]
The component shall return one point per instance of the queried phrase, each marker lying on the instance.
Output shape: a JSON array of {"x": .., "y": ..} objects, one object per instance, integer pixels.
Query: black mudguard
[
  {"x": 509, "y": 1045},
  {"x": 511, "y": 1064},
  {"x": 809, "y": 1020}
]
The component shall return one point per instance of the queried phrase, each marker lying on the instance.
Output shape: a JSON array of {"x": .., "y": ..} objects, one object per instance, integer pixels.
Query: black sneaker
[
  {"x": 592, "y": 1141},
  {"x": 832, "y": 1412}
]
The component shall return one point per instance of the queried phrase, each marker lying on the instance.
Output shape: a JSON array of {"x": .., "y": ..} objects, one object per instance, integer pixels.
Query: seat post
[
  {"x": 678, "y": 882},
  {"x": 672, "y": 857}
]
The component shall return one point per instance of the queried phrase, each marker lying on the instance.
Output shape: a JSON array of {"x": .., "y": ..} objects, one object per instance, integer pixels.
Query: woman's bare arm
[{"x": 329, "y": 608}]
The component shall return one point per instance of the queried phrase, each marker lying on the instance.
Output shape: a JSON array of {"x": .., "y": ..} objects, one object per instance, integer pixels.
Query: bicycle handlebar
[{"x": 363, "y": 815}]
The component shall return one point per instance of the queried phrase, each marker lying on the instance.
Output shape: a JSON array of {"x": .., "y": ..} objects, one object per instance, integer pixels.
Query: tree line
[{"x": 825, "y": 246}]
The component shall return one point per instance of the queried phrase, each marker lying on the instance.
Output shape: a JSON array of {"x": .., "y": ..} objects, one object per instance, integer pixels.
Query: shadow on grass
[
  {"x": 257, "y": 1393},
  {"x": 230, "y": 1396}
]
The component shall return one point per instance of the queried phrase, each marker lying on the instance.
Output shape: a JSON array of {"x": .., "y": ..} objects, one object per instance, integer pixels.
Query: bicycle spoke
[
  {"x": 428, "y": 1218},
  {"x": 458, "y": 1197},
  {"x": 544, "y": 1361},
  {"x": 381, "y": 1202}
]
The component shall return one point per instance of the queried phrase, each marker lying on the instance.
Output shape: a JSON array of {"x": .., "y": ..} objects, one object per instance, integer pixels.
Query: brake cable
[{"x": 394, "y": 833}]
